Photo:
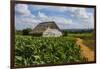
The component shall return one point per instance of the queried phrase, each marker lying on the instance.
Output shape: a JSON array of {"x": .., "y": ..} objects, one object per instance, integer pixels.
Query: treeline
[
  {"x": 23, "y": 32},
  {"x": 64, "y": 31},
  {"x": 77, "y": 31}
]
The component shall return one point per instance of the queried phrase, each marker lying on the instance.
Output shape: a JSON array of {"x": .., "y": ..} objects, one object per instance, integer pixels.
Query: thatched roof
[{"x": 41, "y": 27}]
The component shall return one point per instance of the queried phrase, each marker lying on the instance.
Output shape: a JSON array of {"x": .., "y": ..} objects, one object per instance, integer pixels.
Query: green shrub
[{"x": 26, "y": 31}]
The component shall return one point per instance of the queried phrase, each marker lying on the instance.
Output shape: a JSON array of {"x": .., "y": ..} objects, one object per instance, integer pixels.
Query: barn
[{"x": 46, "y": 29}]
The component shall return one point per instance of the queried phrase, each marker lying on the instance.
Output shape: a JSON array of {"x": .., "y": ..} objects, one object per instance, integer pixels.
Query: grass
[{"x": 88, "y": 39}]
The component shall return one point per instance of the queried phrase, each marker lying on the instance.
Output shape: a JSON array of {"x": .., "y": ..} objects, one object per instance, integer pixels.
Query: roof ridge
[{"x": 48, "y": 22}]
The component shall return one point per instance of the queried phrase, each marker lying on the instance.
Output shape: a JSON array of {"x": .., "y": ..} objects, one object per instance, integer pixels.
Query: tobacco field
[{"x": 46, "y": 50}]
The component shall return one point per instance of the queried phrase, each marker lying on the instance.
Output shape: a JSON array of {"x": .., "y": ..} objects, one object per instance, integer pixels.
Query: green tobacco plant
[{"x": 46, "y": 50}]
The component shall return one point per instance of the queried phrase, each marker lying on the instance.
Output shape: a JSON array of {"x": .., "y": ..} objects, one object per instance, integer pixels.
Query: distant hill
[{"x": 78, "y": 30}]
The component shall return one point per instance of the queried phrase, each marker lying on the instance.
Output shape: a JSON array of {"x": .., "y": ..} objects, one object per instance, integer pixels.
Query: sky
[{"x": 30, "y": 15}]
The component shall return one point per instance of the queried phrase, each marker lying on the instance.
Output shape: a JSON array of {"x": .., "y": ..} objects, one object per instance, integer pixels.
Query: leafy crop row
[{"x": 39, "y": 50}]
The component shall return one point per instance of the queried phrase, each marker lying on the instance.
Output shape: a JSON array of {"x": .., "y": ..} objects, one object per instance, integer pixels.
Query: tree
[
  {"x": 65, "y": 32},
  {"x": 26, "y": 31}
]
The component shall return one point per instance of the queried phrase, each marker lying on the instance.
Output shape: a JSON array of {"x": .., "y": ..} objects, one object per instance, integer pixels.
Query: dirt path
[{"x": 85, "y": 51}]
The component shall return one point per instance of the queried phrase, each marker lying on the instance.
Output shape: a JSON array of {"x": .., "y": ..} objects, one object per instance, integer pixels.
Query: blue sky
[{"x": 29, "y": 16}]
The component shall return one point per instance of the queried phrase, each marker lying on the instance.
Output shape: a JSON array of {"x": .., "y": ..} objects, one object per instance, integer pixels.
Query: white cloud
[
  {"x": 85, "y": 18},
  {"x": 22, "y": 9},
  {"x": 81, "y": 13},
  {"x": 43, "y": 17},
  {"x": 27, "y": 19},
  {"x": 78, "y": 12},
  {"x": 91, "y": 20},
  {"x": 53, "y": 8},
  {"x": 61, "y": 20}
]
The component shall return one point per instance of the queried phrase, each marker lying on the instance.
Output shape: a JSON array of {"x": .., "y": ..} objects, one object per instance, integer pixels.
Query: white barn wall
[{"x": 52, "y": 33}]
